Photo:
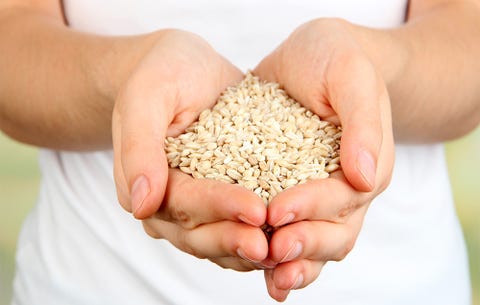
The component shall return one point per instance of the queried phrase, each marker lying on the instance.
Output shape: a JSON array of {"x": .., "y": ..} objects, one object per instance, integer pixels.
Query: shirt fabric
[{"x": 78, "y": 246}]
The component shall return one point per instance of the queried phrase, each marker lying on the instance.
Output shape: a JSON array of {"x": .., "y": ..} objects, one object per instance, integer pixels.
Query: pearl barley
[{"x": 259, "y": 137}]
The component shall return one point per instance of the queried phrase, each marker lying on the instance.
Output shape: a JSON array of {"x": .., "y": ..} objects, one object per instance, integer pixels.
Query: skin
[
  {"x": 379, "y": 84},
  {"x": 322, "y": 66}
]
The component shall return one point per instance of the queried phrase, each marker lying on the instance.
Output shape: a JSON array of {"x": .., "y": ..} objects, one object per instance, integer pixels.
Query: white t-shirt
[{"x": 78, "y": 246}]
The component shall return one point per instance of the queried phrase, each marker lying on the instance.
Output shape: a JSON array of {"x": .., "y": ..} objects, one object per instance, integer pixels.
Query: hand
[
  {"x": 212, "y": 219},
  {"x": 323, "y": 67},
  {"x": 177, "y": 78}
]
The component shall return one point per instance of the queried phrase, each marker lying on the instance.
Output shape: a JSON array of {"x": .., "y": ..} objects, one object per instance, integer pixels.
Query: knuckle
[
  {"x": 177, "y": 212},
  {"x": 186, "y": 246},
  {"x": 221, "y": 263},
  {"x": 347, "y": 247},
  {"x": 346, "y": 210},
  {"x": 244, "y": 266},
  {"x": 229, "y": 264},
  {"x": 182, "y": 218},
  {"x": 151, "y": 231}
]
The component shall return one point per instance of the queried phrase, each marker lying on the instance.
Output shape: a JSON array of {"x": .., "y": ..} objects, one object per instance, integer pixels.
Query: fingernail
[
  {"x": 293, "y": 253},
  {"x": 298, "y": 282},
  {"x": 242, "y": 255},
  {"x": 367, "y": 167},
  {"x": 140, "y": 190},
  {"x": 268, "y": 264},
  {"x": 286, "y": 219},
  {"x": 247, "y": 221}
]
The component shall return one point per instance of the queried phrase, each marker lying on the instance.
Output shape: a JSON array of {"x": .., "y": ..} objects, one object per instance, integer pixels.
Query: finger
[
  {"x": 220, "y": 239},
  {"x": 295, "y": 275},
  {"x": 279, "y": 295},
  {"x": 332, "y": 199},
  {"x": 267, "y": 68},
  {"x": 121, "y": 185},
  {"x": 191, "y": 202},
  {"x": 315, "y": 240},
  {"x": 356, "y": 92},
  {"x": 235, "y": 263},
  {"x": 144, "y": 121}
]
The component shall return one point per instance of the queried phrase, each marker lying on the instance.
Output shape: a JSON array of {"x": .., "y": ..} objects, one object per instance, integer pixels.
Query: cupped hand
[
  {"x": 179, "y": 76},
  {"x": 323, "y": 66},
  {"x": 176, "y": 78},
  {"x": 213, "y": 220}
]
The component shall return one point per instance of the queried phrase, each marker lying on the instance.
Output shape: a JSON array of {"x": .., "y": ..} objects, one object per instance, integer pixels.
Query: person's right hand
[{"x": 176, "y": 79}]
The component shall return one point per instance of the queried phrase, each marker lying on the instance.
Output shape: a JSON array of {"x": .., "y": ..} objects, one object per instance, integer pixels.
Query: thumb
[
  {"x": 143, "y": 161},
  {"x": 356, "y": 99},
  {"x": 267, "y": 69}
]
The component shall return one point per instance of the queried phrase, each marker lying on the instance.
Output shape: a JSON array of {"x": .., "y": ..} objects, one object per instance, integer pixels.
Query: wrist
[
  {"x": 115, "y": 60},
  {"x": 385, "y": 48},
  {"x": 388, "y": 53}
]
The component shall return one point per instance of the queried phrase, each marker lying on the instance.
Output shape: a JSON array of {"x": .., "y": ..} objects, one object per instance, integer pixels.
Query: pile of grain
[{"x": 259, "y": 137}]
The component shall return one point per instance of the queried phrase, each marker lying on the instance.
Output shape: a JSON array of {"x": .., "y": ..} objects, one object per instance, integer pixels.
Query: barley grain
[{"x": 258, "y": 137}]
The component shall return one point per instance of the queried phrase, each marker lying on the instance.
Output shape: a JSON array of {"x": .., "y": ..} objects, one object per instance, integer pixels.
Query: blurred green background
[{"x": 19, "y": 178}]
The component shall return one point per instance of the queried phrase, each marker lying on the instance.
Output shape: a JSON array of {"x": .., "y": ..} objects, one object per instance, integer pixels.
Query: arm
[
  {"x": 58, "y": 86},
  {"x": 431, "y": 69},
  {"x": 426, "y": 71},
  {"x": 64, "y": 89}
]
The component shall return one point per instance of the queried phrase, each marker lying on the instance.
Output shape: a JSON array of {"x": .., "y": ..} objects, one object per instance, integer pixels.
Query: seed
[
  {"x": 331, "y": 167},
  {"x": 241, "y": 169},
  {"x": 211, "y": 146},
  {"x": 197, "y": 175},
  {"x": 234, "y": 174},
  {"x": 289, "y": 183},
  {"x": 258, "y": 191},
  {"x": 258, "y": 137},
  {"x": 186, "y": 169},
  {"x": 193, "y": 164},
  {"x": 252, "y": 160},
  {"x": 335, "y": 160},
  {"x": 250, "y": 184},
  {"x": 263, "y": 184},
  {"x": 263, "y": 166}
]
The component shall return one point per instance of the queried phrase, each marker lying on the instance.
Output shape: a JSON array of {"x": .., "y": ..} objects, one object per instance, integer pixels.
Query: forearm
[
  {"x": 432, "y": 71},
  {"x": 57, "y": 86}
]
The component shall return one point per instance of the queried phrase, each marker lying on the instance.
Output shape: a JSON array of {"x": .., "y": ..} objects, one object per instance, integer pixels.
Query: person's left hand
[
  {"x": 323, "y": 67},
  {"x": 211, "y": 220}
]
